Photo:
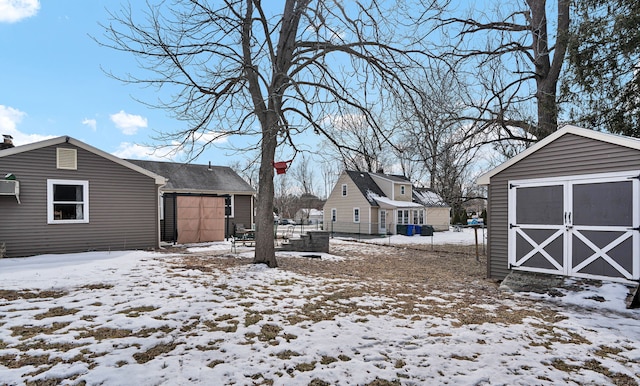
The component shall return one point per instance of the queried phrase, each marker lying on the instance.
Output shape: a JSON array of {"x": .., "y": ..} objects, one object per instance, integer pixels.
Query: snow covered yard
[{"x": 366, "y": 314}]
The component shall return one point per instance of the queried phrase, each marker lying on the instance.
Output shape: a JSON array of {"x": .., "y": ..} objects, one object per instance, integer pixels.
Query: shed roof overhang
[{"x": 615, "y": 139}]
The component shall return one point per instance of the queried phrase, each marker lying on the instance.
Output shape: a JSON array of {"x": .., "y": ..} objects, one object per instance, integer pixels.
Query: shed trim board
[{"x": 580, "y": 225}]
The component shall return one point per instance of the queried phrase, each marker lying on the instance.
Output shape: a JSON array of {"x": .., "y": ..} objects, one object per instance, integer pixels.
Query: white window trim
[
  {"x": 402, "y": 216},
  {"x": 356, "y": 220},
  {"x": 85, "y": 204},
  {"x": 344, "y": 190},
  {"x": 233, "y": 207}
]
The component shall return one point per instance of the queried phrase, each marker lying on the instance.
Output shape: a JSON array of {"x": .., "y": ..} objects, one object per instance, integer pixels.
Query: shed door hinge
[
  {"x": 511, "y": 186},
  {"x": 634, "y": 178},
  {"x": 511, "y": 226}
]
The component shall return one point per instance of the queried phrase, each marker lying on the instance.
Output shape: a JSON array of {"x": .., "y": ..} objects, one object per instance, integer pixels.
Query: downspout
[
  {"x": 159, "y": 229},
  {"x": 175, "y": 219}
]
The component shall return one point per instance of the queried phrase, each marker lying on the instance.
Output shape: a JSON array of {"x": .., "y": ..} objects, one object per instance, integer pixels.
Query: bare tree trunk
[
  {"x": 547, "y": 70},
  {"x": 265, "y": 250}
]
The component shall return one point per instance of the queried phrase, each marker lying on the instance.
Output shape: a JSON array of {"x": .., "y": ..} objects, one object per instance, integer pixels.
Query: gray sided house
[
  {"x": 63, "y": 196},
  {"x": 373, "y": 203},
  {"x": 569, "y": 205},
  {"x": 193, "y": 201}
]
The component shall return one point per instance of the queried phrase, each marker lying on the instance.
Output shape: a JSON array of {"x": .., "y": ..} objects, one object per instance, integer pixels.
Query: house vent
[{"x": 67, "y": 159}]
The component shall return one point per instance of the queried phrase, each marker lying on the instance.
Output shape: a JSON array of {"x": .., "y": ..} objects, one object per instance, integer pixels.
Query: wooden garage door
[
  {"x": 200, "y": 219},
  {"x": 583, "y": 226}
]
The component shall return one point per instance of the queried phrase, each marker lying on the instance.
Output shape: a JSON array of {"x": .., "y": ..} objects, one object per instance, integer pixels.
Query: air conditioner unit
[{"x": 10, "y": 188}]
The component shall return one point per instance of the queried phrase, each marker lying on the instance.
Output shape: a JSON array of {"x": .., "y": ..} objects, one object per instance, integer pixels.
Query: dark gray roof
[
  {"x": 392, "y": 177},
  {"x": 365, "y": 184},
  {"x": 196, "y": 178}
]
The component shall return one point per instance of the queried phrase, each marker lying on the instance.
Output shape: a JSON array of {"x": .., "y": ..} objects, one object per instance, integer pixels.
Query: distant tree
[
  {"x": 303, "y": 175},
  {"x": 357, "y": 144},
  {"x": 603, "y": 79},
  {"x": 248, "y": 170},
  {"x": 433, "y": 137},
  {"x": 243, "y": 67}
]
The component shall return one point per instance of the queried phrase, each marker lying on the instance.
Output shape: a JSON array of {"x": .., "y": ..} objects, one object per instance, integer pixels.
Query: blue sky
[{"x": 52, "y": 81}]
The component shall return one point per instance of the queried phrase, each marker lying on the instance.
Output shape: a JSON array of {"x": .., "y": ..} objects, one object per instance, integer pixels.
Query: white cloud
[
  {"x": 12, "y": 11},
  {"x": 91, "y": 123},
  {"x": 135, "y": 151},
  {"x": 128, "y": 123},
  {"x": 9, "y": 120},
  {"x": 211, "y": 137},
  {"x": 10, "y": 117}
]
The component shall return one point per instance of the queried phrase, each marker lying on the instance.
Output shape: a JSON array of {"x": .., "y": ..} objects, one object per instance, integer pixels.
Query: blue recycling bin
[
  {"x": 418, "y": 229},
  {"x": 410, "y": 229}
]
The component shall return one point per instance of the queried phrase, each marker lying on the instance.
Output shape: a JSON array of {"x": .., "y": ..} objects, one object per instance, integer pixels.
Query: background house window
[
  {"x": 403, "y": 216},
  {"x": 356, "y": 214},
  {"x": 334, "y": 214},
  {"x": 67, "y": 201},
  {"x": 421, "y": 217},
  {"x": 344, "y": 190}
]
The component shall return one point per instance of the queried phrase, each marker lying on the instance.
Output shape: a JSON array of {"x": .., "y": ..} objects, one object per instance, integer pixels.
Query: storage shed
[{"x": 569, "y": 205}]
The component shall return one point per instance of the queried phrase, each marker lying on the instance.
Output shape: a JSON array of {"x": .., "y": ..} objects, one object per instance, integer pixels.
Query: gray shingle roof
[
  {"x": 197, "y": 178},
  {"x": 392, "y": 177},
  {"x": 365, "y": 184}
]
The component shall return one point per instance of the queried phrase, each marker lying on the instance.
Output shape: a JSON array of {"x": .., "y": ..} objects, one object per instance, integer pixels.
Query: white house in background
[
  {"x": 309, "y": 216},
  {"x": 376, "y": 203}
]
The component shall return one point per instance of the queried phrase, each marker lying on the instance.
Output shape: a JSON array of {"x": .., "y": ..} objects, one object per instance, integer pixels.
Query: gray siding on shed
[
  {"x": 123, "y": 210},
  {"x": 568, "y": 155},
  {"x": 242, "y": 211}
]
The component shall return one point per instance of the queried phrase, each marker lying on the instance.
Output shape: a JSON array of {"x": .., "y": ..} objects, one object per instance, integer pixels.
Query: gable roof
[
  {"x": 194, "y": 178},
  {"x": 72, "y": 141},
  {"x": 633, "y": 143},
  {"x": 366, "y": 185},
  {"x": 372, "y": 192}
]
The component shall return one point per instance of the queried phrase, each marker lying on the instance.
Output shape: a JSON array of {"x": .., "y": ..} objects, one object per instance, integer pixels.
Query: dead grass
[
  {"x": 410, "y": 282},
  {"x": 11, "y": 295},
  {"x": 150, "y": 354}
]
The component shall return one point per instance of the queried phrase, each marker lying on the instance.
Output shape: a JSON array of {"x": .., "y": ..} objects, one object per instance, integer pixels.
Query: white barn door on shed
[{"x": 585, "y": 226}]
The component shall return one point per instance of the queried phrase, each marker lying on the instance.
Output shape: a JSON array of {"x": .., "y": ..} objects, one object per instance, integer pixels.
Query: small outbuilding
[
  {"x": 569, "y": 205},
  {"x": 63, "y": 196},
  {"x": 201, "y": 203}
]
